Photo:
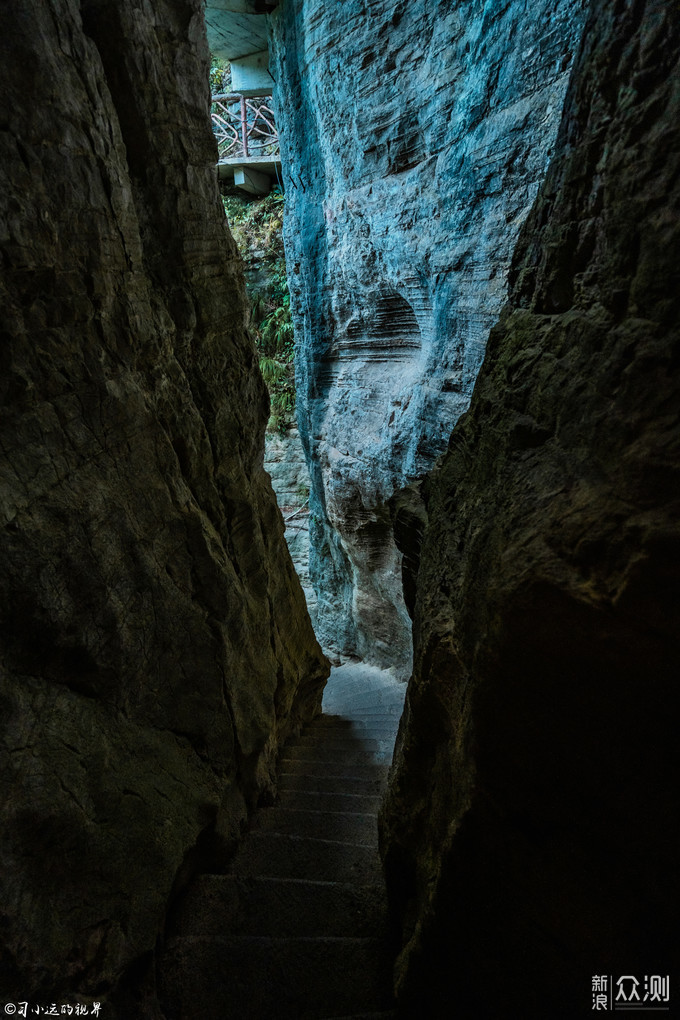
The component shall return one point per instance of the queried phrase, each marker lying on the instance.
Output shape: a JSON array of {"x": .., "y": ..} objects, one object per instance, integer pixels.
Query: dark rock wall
[
  {"x": 154, "y": 644},
  {"x": 415, "y": 136},
  {"x": 530, "y": 836}
]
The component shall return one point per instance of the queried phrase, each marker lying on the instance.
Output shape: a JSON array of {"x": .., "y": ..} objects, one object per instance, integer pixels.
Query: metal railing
[{"x": 244, "y": 128}]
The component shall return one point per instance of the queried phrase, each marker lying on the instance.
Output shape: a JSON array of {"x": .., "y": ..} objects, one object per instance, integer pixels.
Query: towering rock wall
[
  {"x": 530, "y": 835},
  {"x": 154, "y": 645},
  {"x": 414, "y": 138}
]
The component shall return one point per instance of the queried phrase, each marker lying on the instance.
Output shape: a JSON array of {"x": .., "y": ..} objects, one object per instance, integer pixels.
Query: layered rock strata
[
  {"x": 530, "y": 836},
  {"x": 154, "y": 643},
  {"x": 285, "y": 461},
  {"x": 414, "y": 138}
]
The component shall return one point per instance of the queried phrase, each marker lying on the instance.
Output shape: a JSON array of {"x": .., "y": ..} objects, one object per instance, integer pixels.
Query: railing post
[{"x": 244, "y": 126}]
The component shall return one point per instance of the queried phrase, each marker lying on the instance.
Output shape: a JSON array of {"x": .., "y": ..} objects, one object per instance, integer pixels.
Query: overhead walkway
[
  {"x": 247, "y": 141},
  {"x": 243, "y": 121}
]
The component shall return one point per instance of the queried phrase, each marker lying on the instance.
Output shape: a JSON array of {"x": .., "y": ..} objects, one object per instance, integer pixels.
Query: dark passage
[
  {"x": 298, "y": 927},
  {"x": 496, "y": 185}
]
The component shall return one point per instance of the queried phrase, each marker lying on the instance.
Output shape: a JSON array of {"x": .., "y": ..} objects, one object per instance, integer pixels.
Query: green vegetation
[
  {"x": 220, "y": 76},
  {"x": 256, "y": 224},
  {"x": 257, "y": 228}
]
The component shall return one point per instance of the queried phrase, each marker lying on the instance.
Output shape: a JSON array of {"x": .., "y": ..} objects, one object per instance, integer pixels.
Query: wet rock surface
[
  {"x": 415, "y": 136},
  {"x": 154, "y": 645},
  {"x": 529, "y": 832}
]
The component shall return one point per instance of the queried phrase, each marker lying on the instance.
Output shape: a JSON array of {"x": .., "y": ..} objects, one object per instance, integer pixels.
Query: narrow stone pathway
[{"x": 298, "y": 930}]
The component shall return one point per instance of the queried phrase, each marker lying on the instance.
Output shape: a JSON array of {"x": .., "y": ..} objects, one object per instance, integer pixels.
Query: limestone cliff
[
  {"x": 414, "y": 137},
  {"x": 531, "y": 834},
  {"x": 154, "y": 645}
]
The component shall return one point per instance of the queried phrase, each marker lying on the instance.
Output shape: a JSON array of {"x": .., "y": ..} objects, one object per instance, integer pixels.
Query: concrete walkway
[{"x": 298, "y": 930}]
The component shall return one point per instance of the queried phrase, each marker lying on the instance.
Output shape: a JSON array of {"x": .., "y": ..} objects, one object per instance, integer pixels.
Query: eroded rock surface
[
  {"x": 285, "y": 461},
  {"x": 154, "y": 645},
  {"x": 530, "y": 834},
  {"x": 415, "y": 136}
]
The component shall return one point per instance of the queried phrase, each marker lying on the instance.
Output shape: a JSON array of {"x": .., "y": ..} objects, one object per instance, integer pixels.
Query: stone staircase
[{"x": 298, "y": 930}]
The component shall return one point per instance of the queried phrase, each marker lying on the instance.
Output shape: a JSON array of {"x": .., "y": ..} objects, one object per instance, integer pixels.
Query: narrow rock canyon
[{"x": 483, "y": 245}]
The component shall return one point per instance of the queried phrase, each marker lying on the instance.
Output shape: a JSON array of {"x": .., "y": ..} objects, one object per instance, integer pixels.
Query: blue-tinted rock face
[{"x": 415, "y": 138}]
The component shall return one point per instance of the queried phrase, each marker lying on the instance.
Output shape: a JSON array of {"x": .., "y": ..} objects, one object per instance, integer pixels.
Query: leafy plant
[
  {"x": 273, "y": 372},
  {"x": 256, "y": 224},
  {"x": 220, "y": 76},
  {"x": 276, "y": 331}
]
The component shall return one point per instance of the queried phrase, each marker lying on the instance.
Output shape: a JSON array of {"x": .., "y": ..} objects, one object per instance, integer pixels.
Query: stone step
[
  {"x": 252, "y": 978},
  {"x": 341, "y": 677},
  {"x": 336, "y": 701},
  {"x": 346, "y": 827},
  {"x": 332, "y": 718},
  {"x": 275, "y": 855},
  {"x": 376, "y": 715},
  {"x": 357, "y": 728},
  {"x": 336, "y": 691},
  {"x": 219, "y": 904},
  {"x": 351, "y": 770},
  {"x": 361, "y": 740},
  {"x": 299, "y": 778},
  {"x": 325, "y": 740},
  {"x": 367, "y": 737},
  {"x": 319, "y": 752},
  {"x": 388, "y": 1015},
  {"x": 328, "y": 721},
  {"x": 336, "y": 725},
  {"x": 309, "y": 800},
  {"x": 353, "y": 707},
  {"x": 380, "y": 751},
  {"x": 357, "y": 712}
]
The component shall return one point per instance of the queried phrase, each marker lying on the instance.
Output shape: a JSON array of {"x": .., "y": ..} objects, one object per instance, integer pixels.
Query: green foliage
[
  {"x": 220, "y": 76},
  {"x": 276, "y": 332},
  {"x": 256, "y": 225},
  {"x": 273, "y": 372}
]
